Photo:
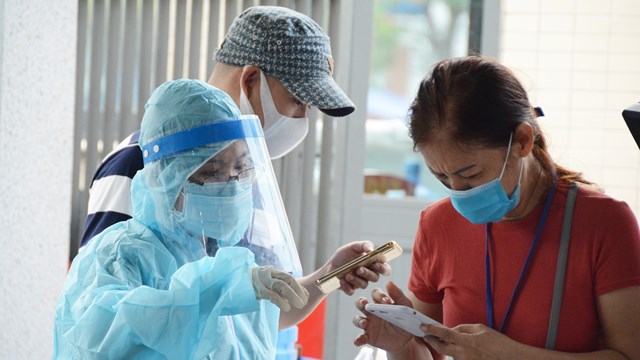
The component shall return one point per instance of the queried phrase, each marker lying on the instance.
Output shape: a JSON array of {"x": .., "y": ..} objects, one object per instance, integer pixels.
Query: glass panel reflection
[{"x": 409, "y": 37}]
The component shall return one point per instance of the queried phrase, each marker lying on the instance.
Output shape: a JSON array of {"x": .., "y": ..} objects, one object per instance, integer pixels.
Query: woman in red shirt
[{"x": 485, "y": 259}]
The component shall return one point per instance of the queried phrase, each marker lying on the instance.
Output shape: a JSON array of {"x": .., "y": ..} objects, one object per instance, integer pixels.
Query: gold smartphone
[{"x": 331, "y": 281}]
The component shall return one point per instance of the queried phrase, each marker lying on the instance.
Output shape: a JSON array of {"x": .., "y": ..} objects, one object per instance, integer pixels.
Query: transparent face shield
[{"x": 232, "y": 197}]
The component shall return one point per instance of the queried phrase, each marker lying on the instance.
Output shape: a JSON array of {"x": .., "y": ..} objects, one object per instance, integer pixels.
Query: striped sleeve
[{"x": 110, "y": 194}]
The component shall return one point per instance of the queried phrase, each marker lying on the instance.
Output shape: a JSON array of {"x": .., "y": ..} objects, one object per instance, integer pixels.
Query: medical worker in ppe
[{"x": 185, "y": 278}]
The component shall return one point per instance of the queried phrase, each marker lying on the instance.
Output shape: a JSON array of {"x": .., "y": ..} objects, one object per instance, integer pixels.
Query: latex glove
[{"x": 278, "y": 287}]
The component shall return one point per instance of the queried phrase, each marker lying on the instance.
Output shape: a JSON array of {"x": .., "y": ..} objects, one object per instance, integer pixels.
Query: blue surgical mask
[
  {"x": 487, "y": 202},
  {"x": 218, "y": 210}
]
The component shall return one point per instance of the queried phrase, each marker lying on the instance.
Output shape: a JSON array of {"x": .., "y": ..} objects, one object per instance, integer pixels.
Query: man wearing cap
[{"x": 275, "y": 63}]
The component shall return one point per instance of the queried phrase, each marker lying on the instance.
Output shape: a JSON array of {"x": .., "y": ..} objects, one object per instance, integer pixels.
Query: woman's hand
[
  {"x": 470, "y": 342},
  {"x": 378, "y": 332}
]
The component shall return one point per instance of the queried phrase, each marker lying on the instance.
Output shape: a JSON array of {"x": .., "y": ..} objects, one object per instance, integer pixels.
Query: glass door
[{"x": 409, "y": 36}]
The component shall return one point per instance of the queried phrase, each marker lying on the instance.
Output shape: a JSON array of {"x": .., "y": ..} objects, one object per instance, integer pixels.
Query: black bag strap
[{"x": 558, "y": 286}]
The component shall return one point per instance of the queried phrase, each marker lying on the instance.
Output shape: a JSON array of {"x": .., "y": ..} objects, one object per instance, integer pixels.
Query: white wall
[
  {"x": 37, "y": 86},
  {"x": 579, "y": 59}
]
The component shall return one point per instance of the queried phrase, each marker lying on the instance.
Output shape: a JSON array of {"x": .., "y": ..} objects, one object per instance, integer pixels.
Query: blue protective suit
[{"x": 144, "y": 289}]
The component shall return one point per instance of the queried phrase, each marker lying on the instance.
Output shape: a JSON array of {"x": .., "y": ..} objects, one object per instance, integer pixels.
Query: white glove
[{"x": 278, "y": 287}]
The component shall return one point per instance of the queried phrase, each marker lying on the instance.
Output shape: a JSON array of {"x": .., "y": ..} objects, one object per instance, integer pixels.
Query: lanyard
[{"x": 543, "y": 219}]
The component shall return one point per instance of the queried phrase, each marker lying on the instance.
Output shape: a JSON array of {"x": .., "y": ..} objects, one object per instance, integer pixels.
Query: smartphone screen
[{"x": 331, "y": 281}]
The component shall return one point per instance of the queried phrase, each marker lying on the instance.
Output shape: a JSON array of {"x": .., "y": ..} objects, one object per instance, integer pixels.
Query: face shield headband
[{"x": 231, "y": 129}]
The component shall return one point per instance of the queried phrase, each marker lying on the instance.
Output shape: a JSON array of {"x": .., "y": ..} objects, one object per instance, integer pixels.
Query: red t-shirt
[{"x": 448, "y": 267}]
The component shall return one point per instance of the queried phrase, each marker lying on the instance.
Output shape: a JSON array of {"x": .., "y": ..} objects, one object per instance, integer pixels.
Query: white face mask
[{"x": 281, "y": 133}]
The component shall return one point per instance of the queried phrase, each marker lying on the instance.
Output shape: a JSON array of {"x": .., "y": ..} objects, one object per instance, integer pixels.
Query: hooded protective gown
[{"x": 143, "y": 289}]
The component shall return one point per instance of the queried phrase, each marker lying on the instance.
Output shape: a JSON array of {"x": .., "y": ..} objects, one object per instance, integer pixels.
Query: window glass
[{"x": 409, "y": 36}]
